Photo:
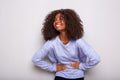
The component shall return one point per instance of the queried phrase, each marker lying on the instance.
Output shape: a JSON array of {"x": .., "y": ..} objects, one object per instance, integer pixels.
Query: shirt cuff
[
  {"x": 81, "y": 67},
  {"x": 54, "y": 67}
]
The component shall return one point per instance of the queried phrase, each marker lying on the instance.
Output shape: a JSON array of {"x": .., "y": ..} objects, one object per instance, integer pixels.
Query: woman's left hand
[{"x": 75, "y": 65}]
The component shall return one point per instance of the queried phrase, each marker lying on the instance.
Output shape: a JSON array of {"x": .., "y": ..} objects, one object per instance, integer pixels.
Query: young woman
[{"x": 69, "y": 54}]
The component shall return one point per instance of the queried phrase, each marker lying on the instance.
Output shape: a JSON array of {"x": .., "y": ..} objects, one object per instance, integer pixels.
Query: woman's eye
[{"x": 61, "y": 18}]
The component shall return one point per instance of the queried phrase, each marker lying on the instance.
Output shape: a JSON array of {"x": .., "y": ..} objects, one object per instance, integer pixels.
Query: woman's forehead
[{"x": 59, "y": 15}]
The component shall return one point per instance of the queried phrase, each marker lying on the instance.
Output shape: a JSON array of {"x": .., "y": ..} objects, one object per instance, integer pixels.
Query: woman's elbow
[
  {"x": 34, "y": 60},
  {"x": 97, "y": 60}
]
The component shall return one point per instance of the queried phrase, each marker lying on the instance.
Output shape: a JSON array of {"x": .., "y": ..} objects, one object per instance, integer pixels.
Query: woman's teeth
[{"x": 58, "y": 25}]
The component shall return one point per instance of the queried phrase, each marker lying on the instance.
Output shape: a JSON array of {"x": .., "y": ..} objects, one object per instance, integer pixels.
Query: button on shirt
[{"x": 73, "y": 51}]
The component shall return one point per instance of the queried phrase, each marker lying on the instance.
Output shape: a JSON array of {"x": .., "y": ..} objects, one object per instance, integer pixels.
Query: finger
[
  {"x": 72, "y": 64},
  {"x": 60, "y": 67},
  {"x": 64, "y": 67},
  {"x": 75, "y": 65}
]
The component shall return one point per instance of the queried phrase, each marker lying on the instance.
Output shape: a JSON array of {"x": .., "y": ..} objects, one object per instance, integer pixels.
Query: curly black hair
[{"x": 74, "y": 26}]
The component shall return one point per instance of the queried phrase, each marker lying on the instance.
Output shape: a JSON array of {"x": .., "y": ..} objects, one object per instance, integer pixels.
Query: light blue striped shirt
[{"x": 73, "y": 51}]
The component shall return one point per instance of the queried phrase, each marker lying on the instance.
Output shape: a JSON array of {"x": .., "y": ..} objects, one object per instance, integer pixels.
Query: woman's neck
[{"x": 63, "y": 37}]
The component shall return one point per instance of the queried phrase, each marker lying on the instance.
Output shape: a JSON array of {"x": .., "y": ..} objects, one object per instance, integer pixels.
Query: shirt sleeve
[
  {"x": 39, "y": 58},
  {"x": 87, "y": 53}
]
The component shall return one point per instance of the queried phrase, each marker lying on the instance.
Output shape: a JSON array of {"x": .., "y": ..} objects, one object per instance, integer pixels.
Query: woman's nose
[{"x": 57, "y": 20}]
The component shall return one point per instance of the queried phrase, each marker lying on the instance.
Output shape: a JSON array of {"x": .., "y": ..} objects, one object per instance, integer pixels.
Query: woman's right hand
[{"x": 60, "y": 67}]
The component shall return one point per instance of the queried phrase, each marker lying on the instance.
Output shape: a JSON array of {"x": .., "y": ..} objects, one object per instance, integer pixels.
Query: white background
[{"x": 20, "y": 36}]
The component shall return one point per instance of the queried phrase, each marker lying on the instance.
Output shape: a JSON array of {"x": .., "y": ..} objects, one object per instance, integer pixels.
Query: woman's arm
[
  {"x": 87, "y": 52},
  {"x": 39, "y": 58}
]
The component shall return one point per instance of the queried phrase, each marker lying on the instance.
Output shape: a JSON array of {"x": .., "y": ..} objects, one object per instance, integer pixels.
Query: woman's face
[{"x": 59, "y": 22}]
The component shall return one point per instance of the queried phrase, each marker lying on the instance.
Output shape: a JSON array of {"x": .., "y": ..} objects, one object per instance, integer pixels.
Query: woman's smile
[{"x": 59, "y": 23}]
